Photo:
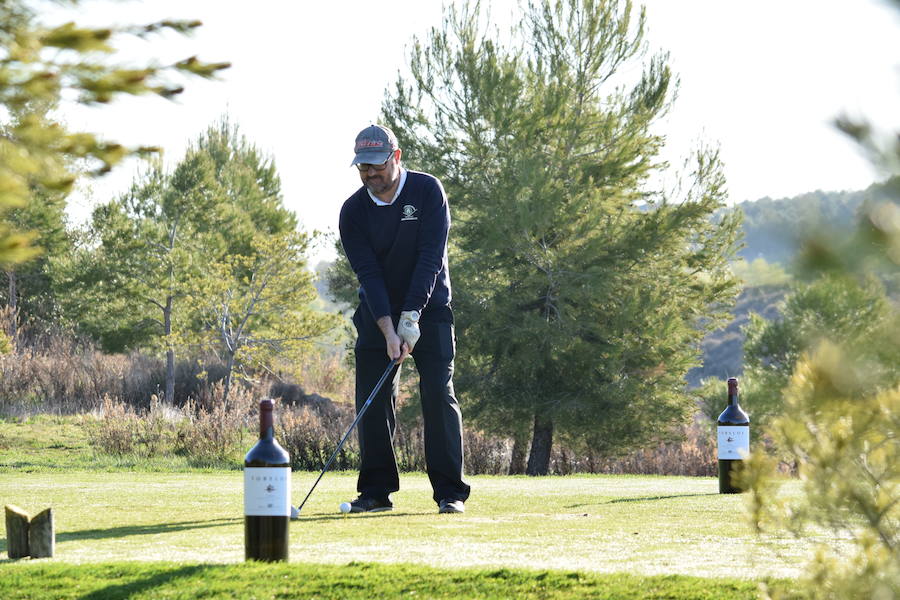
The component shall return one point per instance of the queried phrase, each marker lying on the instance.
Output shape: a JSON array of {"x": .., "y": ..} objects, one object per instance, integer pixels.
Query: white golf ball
[{"x": 345, "y": 507}]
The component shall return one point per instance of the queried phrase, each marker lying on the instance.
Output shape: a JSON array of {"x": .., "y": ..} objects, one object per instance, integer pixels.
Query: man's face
[{"x": 381, "y": 178}]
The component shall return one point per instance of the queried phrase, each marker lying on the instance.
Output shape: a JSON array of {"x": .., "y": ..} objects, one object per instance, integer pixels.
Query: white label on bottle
[
  {"x": 267, "y": 491},
  {"x": 734, "y": 442}
]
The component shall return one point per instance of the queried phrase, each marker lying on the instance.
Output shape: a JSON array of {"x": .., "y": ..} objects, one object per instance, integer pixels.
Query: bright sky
[{"x": 762, "y": 79}]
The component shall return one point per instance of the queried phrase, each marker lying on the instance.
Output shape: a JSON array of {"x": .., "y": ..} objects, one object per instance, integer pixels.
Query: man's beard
[{"x": 377, "y": 184}]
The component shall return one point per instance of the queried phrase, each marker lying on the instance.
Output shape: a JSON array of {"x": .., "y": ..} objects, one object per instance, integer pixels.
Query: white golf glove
[{"x": 408, "y": 328}]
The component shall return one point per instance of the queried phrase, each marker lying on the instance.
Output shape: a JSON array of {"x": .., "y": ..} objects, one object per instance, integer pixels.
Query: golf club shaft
[{"x": 359, "y": 415}]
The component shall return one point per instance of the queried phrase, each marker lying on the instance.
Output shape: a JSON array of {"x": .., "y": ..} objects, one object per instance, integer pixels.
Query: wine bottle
[
  {"x": 734, "y": 440},
  {"x": 267, "y": 488}
]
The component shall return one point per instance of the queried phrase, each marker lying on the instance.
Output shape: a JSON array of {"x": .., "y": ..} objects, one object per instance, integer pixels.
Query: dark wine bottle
[
  {"x": 267, "y": 490},
  {"x": 734, "y": 440}
]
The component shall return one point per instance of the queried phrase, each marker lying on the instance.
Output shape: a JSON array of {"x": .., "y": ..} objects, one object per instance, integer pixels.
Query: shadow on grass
[
  {"x": 327, "y": 517},
  {"x": 643, "y": 499},
  {"x": 114, "y": 532},
  {"x": 129, "y": 530},
  {"x": 21, "y": 466},
  {"x": 127, "y": 590}
]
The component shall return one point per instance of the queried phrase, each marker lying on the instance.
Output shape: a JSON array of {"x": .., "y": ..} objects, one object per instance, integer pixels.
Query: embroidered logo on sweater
[{"x": 409, "y": 213}]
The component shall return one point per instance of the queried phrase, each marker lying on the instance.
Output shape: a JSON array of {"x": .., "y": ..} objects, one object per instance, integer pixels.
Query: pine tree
[
  {"x": 842, "y": 402},
  {"x": 29, "y": 295},
  {"x": 582, "y": 294}
]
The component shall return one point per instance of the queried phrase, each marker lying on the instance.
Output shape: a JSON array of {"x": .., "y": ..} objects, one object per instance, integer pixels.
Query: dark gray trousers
[{"x": 433, "y": 354}]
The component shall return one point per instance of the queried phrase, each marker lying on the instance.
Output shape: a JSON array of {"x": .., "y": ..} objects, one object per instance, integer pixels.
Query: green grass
[
  {"x": 161, "y": 581},
  {"x": 42, "y": 442},
  {"x": 639, "y": 525},
  {"x": 145, "y": 534}
]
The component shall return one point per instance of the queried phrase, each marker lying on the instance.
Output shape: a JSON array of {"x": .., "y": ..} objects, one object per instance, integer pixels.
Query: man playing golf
[{"x": 394, "y": 232}]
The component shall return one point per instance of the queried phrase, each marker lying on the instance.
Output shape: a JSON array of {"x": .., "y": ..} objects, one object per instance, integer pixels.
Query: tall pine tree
[{"x": 582, "y": 294}]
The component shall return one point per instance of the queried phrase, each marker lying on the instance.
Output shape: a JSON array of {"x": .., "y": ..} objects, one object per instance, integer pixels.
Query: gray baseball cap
[{"x": 374, "y": 145}]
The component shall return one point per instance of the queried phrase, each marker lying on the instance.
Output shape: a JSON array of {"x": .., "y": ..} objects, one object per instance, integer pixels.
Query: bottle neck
[
  {"x": 266, "y": 425},
  {"x": 732, "y": 392}
]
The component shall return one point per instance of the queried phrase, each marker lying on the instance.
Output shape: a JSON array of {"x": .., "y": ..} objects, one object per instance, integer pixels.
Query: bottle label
[
  {"x": 734, "y": 443},
  {"x": 267, "y": 491}
]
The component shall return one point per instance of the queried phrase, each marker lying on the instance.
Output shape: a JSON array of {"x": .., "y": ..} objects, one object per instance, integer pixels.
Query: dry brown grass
[
  {"x": 311, "y": 436},
  {"x": 693, "y": 456},
  {"x": 215, "y": 432},
  {"x": 115, "y": 429},
  {"x": 206, "y": 436},
  {"x": 209, "y": 436},
  {"x": 327, "y": 374},
  {"x": 55, "y": 373}
]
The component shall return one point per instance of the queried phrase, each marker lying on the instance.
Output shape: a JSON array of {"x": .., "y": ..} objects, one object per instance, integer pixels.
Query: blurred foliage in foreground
[
  {"x": 842, "y": 409},
  {"x": 39, "y": 67}
]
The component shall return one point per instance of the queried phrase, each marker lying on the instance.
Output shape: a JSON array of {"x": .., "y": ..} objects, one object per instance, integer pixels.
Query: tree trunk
[
  {"x": 541, "y": 444},
  {"x": 170, "y": 376},
  {"x": 170, "y": 352},
  {"x": 229, "y": 368},
  {"x": 517, "y": 462},
  {"x": 13, "y": 304}
]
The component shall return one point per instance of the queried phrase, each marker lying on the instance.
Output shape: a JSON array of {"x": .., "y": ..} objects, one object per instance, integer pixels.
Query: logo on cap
[{"x": 363, "y": 144}]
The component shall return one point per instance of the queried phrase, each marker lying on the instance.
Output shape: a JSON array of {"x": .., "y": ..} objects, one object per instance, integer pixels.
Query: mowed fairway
[{"x": 624, "y": 524}]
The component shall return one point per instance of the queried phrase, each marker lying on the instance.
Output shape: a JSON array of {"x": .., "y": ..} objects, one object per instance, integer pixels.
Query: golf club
[{"x": 359, "y": 415}]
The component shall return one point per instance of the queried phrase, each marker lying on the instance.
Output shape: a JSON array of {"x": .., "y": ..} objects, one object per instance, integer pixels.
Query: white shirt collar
[{"x": 379, "y": 202}]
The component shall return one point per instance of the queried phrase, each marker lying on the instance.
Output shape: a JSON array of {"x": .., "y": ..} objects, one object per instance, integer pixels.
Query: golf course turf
[{"x": 161, "y": 535}]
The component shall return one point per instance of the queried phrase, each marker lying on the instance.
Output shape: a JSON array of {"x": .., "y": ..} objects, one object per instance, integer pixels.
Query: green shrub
[{"x": 6, "y": 346}]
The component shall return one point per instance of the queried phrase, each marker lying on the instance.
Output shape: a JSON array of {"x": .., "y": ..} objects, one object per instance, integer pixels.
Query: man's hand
[
  {"x": 397, "y": 349},
  {"x": 408, "y": 328}
]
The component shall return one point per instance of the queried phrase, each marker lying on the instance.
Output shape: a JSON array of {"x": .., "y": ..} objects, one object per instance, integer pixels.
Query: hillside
[{"x": 773, "y": 229}]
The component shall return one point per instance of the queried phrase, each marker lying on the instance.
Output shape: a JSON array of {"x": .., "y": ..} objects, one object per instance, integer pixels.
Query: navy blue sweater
[{"x": 399, "y": 251}]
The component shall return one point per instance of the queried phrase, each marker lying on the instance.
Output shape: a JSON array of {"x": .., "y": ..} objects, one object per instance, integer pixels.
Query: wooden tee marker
[{"x": 29, "y": 536}]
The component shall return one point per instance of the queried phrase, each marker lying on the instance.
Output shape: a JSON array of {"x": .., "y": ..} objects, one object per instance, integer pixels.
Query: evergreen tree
[
  {"x": 844, "y": 310},
  {"x": 249, "y": 180},
  {"x": 28, "y": 295},
  {"x": 343, "y": 287},
  {"x": 581, "y": 294}
]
